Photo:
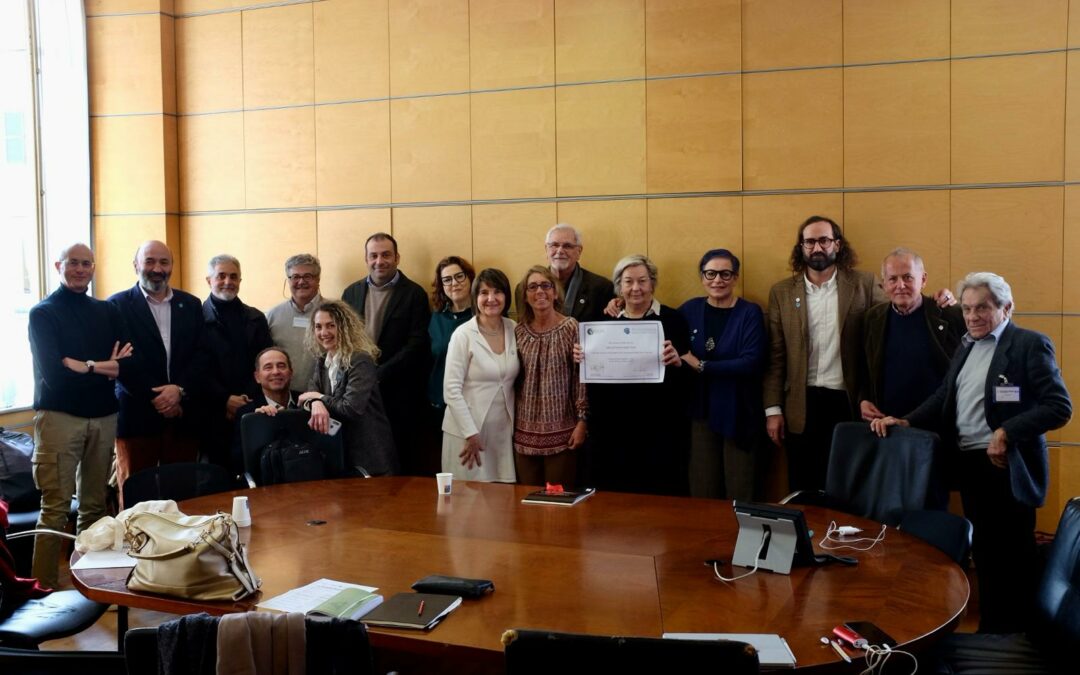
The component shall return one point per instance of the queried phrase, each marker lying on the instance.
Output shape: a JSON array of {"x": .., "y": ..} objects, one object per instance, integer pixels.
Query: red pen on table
[{"x": 420, "y": 610}]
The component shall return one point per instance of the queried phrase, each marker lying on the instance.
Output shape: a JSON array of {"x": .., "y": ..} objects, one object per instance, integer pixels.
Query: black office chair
[
  {"x": 257, "y": 431},
  {"x": 949, "y": 532},
  {"x": 1050, "y": 646},
  {"x": 23, "y": 662},
  {"x": 538, "y": 652},
  {"x": 880, "y": 478},
  {"x": 179, "y": 481}
]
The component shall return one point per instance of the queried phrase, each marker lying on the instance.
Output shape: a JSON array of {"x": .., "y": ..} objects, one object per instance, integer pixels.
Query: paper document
[
  {"x": 621, "y": 351},
  {"x": 773, "y": 650},
  {"x": 306, "y": 598},
  {"x": 96, "y": 560}
]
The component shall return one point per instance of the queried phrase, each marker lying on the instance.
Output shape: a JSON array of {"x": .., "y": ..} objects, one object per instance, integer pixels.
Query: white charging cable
[
  {"x": 832, "y": 542},
  {"x": 877, "y": 656},
  {"x": 757, "y": 558}
]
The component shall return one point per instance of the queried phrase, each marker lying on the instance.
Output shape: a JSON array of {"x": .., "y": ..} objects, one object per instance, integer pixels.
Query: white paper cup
[
  {"x": 241, "y": 515},
  {"x": 445, "y": 482}
]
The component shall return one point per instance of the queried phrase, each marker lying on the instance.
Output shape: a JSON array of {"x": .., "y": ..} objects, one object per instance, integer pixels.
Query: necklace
[{"x": 492, "y": 333}]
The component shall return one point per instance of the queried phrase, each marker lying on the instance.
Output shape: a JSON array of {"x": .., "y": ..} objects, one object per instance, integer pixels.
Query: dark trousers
[
  {"x": 808, "y": 452},
  {"x": 1003, "y": 545}
]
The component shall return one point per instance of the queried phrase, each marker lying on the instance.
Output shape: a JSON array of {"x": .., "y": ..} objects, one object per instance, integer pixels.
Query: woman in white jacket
[{"x": 481, "y": 366}]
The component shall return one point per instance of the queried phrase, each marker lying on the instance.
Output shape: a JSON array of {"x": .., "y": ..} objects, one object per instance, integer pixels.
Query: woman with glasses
[
  {"x": 549, "y": 419},
  {"x": 727, "y": 354},
  {"x": 481, "y": 367}
]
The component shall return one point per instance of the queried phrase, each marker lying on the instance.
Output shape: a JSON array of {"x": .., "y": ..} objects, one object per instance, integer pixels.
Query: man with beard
[
  {"x": 155, "y": 423},
  {"x": 235, "y": 333},
  {"x": 815, "y": 334},
  {"x": 587, "y": 294}
]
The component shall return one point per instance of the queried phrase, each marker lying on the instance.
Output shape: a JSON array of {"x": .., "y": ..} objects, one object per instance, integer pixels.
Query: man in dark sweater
[
  {"x": 79, "y": 347},
  {"x": 235, "y": 334}
]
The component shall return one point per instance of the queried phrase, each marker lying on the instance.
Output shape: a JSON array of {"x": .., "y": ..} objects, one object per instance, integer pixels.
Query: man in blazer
[
  {"x": 908, "y": 341},
  {"x": 815, "y": 345},
  {"x": 396, "y": 314},
  {"x": 1002, "y": 393},
  {"x": 273, "y": 379},
  {"x": 587, "y": 294},
  {"x": 156, "y": 422}
]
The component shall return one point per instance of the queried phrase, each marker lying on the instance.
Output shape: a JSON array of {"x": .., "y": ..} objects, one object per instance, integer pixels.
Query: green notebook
[{"x": 349, "y": 603}]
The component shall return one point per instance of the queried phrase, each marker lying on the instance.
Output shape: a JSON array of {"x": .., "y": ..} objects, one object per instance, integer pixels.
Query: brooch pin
[
  {"x": 798, "y": 301},
  {"x": 710, "y": 344}
]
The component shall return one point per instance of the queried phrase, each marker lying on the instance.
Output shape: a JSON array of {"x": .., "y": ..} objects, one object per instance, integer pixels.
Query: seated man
[{"x": 273, "y": 373}]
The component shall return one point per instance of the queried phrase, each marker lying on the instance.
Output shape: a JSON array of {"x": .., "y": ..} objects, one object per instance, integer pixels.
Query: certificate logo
[
  {"x": 588, "y": 331},
  {"x": 626, "y": 330}
]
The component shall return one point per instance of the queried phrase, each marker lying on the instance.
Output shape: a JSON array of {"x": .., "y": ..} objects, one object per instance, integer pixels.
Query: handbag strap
[{"x": 238, "y": 563}]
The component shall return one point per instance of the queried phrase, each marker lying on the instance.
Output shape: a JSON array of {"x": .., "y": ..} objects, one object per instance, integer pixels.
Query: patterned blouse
[{"x": 550, "y": 397}]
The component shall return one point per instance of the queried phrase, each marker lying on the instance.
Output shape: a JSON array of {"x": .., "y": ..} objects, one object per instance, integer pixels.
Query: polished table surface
[{"x": 616, "y": 564}]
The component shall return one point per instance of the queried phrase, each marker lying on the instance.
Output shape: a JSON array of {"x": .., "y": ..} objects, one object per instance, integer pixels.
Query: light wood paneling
[
  {"x": 352, "y": 58},
  {"x": 692, "y": 36},
  {"x": 513, "y": 144},
  {"x": 681, "y": 231},
  {"x": 171, "y": 167},
  {"x": 95, "y": 7},
  {"x": 599, "y": 40},
  {"x": 896, "y": 125},
  {"x": 124, "y": 57},
  {"x": 1072, "y": 116},
  {"x": 1008, "y": 119},
  {"x": 769, "y": 224},
  {"x": 875, "y": 223},
  {"x": 211, "y": 162},
  {"x": 1070, "y": 300},
  {"x": 167, "y": 30},
  {"x": 785, "y": 33},
  {"x": 209, "y": 44},
  {"x": 116, "y": 240},
  {"x": 261, "y": 241},
  {"x": 426, "y": 236},
  {"x": 600, "y": 139},
  {"x": 995, "y": 26},
  {"x": 895, "y": 30},
  {"x": 192, "y": 6},
  {"x": 1068, "y": 354},
  {"x": 128, "y": 164},
  {"x": 793, "y": 129},
  {"x": 429, "y": 46},
  {"x": 352, "y": 153},
  {"x": 279, "y": 60},
  {"x": 1074, "y": 23},
  {"x": 1064, "y": 485},
  {"x": 694, "y": 134},
  {"x": 430, "y": 149},
  {"x": 511, "y": 236},
  {"x": 1016, "y": 233},
  {"x": 511, "y": 44},
  {"x": 279, "y": 157},
  {"x": 341, "y": 237},
  {"x": 609, "y": 231}
]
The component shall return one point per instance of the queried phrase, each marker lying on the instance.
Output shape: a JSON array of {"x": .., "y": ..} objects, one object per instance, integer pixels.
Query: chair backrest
[
  {"x": 947, "y": 531},
  {"x": 32, "y": 662},
  {"x": 1057, "y": 604},
  {"x": 540, "y": 652},
  {"x": 881, "y": 478},
  {"x": 179, "y": 481},
  {"x": 257, "y": 431}
]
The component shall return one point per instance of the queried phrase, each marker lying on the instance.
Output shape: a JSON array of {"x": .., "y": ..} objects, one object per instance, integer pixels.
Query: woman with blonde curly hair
[{"x": 345, "y": 387}]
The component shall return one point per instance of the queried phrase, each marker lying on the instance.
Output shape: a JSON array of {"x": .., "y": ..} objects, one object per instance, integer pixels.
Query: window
[{"x": 44, "y": 167}]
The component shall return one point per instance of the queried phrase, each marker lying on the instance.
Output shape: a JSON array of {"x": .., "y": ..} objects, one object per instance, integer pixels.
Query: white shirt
[
  {"x": 822, "y": 313},
  {"x": 162, "y": 312},
  {"x": 653, "y": 310}
]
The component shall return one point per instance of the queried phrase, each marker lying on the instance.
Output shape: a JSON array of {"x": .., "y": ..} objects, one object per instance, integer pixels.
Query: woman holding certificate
[
  {"x": 641, "y": 432},
  {"x": 551, "y": 404},
  {"x": 727, "y": 355},
  {"x": 481, "y": 366}
]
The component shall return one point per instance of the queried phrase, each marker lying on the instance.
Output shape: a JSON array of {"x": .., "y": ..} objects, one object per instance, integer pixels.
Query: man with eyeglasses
[
  {"x": 79, "y": 347},
  {"x": 587, "y": 294},
  {"x": 289, "y": 320}
]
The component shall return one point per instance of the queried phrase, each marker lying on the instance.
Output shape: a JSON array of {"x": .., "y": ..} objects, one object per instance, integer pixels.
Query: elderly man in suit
[
  {"x": 155, "y": 424},
  {"x": 1002, "y": 393},
  {"x": 587, "y": 293}
]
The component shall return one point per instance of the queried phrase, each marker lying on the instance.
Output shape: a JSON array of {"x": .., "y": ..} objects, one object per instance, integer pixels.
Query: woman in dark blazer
[
  {"x": 727, "y": 354},
  {"x": 345, "y": 387}
]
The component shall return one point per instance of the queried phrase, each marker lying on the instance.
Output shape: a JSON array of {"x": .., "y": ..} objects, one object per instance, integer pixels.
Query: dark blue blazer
[
  {"x": 1025, "y": 359},
  {"x": 732, "y": 377},
  {"x": 186, "y": 368}
]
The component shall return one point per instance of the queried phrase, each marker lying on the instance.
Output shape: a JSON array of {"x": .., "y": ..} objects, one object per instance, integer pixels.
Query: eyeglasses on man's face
[
  {"x": 824, "y": 242},
  {"x": 557, "y": 246},
  {"x": 726, "y": 275},
  {"x": 297, "y": 278},
  {"x": 458, "y": 278},
  {"x": 535, "y": 286}
]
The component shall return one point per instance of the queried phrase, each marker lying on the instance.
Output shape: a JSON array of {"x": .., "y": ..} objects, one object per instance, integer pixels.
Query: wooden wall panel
[
  {"x": 1072, "y": 116},
  {"x": 1064, "y": 485},
  {"x": 429, "y": 46},
  {"x": 211, "y": 162},
  {"x": 1016, "y": 233},
  {"x": 599, "y": 40},
  {"x": 793, "y": 129},
  {"x": 209, "y": 44},
  {"x": 995, "y": 26},
  {"x": 1008, "y": 119},
  {"x": 1068, "y": 354},
  {"x": 96, "y": 7},
  {"x": 279, "y": 59},
  {"x": 279, "y": 157},
  {"x": 340, "y": 246},
  {"x": 124, "y": 63},
  {"x": 896, "y": 125},
  {"x": 1074, "y": 23},
  {"x": 600, "y": 139},
  {"x": 1070, "y": 298},
  {"x": 352, "y": 59},
  {"x": 352, "y": 153},
  {"x": 1051, "y": 327},
  {"x": 513, "y": 144},
  {"x": 694, "y": 134},
  {"x": 692, "y": 36},
  {"x": 895, "y": 31},
  {"x": 512, "y": 43},
  {"x": 429, "y": 145},
  {"x": 128, "y": 164},
  {"x": 511, "y": 236},
  {"x": 786, "y": 33},
  {"x": 427, "y": 235},
  {"x": 680, "y": 231},
  {"x": 116, "y": 240},
  {"x": 609, "y": 231}
]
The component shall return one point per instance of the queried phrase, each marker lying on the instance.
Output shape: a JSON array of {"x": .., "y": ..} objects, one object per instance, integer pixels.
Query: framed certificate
[{"x": 621, "y": 351}]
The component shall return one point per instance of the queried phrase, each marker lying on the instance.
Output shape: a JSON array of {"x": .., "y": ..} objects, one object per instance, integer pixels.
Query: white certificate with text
[{"x": 622, "y": 351}]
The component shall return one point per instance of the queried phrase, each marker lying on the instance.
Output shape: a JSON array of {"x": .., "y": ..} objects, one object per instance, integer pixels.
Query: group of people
[{"x": 445, "y": 380}]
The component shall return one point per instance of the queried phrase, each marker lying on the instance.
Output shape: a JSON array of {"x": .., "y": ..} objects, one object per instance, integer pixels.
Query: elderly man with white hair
[
  {"x": 1002, "y": 393},
  {"x": 587, "y": 293}
]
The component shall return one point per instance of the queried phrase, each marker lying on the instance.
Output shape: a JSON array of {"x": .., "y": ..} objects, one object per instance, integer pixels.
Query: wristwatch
[
  {"x": 90, "y": 367},
  {"x": 701, "y": 365}
]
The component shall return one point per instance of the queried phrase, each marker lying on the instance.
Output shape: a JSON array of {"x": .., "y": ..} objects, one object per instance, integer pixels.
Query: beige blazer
[
  {"x": 785, "y": 377},
  {"x": 472, "y": 378}
]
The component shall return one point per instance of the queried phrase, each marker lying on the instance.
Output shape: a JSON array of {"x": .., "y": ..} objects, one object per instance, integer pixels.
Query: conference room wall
[{"x": 663, "y": 126}]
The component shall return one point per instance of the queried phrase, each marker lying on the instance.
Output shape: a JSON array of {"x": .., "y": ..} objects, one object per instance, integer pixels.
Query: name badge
[
  {"x": 1006, "y": 394},
  {"x": 300, "y": 322}
]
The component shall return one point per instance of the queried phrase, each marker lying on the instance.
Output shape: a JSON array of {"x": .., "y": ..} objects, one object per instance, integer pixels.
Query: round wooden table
[{"x": 616, "y": 564}]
